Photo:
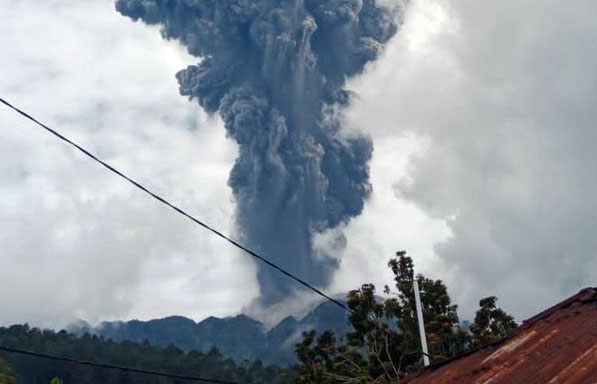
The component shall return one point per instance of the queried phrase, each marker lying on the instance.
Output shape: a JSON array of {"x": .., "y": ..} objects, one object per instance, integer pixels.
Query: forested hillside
[
  {"x": 240, "y": 337},
  {"x": 29, "y": 369}
]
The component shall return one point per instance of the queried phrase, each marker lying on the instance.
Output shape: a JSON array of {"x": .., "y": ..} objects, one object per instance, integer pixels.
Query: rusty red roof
[{"x": 559, "y": 345}]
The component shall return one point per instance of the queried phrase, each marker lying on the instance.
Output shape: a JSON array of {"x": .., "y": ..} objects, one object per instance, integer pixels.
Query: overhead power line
[
  {"x": 176, "y": 208},
  {"x": 114, "y": 367}
]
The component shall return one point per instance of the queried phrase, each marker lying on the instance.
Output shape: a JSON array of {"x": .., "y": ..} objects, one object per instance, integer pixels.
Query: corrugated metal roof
[{"x": 556, "y": 346}]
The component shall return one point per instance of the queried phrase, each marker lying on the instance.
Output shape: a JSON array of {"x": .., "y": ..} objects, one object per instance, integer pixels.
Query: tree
[
  {"x": 32, "y": 369},
  {"x": 491, "y": 323},
  {"x": 385, "y": 344},
  {"x": 6, "y": 373},
  {"x": 445, "y": 336}
]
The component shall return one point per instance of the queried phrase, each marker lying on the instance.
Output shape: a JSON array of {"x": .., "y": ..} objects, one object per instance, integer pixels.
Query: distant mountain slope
[
  {"x": 240, "y": 337},
  {"x": 32, "y": 369}
]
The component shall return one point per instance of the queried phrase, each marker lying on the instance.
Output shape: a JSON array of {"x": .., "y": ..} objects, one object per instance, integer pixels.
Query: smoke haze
[{"x": 275, "y": 72}]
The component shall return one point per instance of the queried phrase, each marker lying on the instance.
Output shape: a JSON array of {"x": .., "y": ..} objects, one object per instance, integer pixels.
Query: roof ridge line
[{"x": 578, "y": 297}]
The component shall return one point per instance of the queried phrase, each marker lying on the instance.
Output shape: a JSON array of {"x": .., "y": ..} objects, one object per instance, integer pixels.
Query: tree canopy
[
  {"x": 6, "y": 373},
  {"x": 30, "y": 369},
  {"x": 385, "y": 343}
]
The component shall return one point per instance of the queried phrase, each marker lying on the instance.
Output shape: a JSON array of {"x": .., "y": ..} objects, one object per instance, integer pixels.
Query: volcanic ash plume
[{"x": 274, "y": 69}]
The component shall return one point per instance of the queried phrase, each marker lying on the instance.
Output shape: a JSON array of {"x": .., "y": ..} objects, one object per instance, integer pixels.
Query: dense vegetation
[
  {"x": 6, "y": 374},
  {"x": 385, "y": 344},
  {"x": 27, "y": 369}
]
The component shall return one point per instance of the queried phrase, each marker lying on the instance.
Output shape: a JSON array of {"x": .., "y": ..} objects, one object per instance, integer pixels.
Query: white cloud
[
  {"x": 504, "y": 92},
  {"x": 77, "y": 241},
  {"x": 388, "y": 224},
  {"x": 482, "y": 117}
]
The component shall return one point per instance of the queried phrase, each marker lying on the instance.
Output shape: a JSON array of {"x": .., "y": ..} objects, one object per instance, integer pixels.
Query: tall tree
[
  {"x": 491, "y": 323},
  {"x": 385, "y": 344}
]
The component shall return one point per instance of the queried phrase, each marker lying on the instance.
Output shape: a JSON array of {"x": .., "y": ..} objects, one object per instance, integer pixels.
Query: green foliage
[
  {"x": 444, "y": 335},
  {"x": 170, "y": 359},
  {"x": 6, "y": 373},
  {"x": 385, "y": 343},
  {"x": 491, "y": 323}
]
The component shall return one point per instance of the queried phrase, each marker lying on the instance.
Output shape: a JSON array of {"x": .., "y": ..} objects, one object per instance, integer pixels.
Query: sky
[{"x": 484, "y": 166}]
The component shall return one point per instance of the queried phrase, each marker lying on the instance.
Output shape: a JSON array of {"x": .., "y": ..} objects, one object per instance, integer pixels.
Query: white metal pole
[{"x": 421, "y": 323}]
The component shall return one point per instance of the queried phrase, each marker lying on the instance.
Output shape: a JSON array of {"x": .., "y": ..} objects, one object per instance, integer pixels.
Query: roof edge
[{"x": 584, "y": 295}]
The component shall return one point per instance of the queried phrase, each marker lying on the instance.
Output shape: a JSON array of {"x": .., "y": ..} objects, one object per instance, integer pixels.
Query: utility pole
[{"x": 421, "y": 322}]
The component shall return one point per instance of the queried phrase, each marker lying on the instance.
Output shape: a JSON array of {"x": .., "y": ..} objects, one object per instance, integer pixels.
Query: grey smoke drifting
[{"x": 273, "y": 69}]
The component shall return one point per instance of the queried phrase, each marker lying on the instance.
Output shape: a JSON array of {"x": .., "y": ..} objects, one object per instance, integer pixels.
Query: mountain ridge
[{"x": 239, "y": 337}]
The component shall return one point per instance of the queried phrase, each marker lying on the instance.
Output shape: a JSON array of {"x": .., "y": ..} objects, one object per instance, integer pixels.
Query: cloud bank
[
  {"x": 75, "y": 241},
  {"x": 481, "y": 117},
  {"x": 504, "y": 96}
]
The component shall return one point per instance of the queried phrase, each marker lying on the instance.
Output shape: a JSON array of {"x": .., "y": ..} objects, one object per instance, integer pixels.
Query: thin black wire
[
  {"x": 177, "y": 209},
  {"x": 113, "y": 367}
]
